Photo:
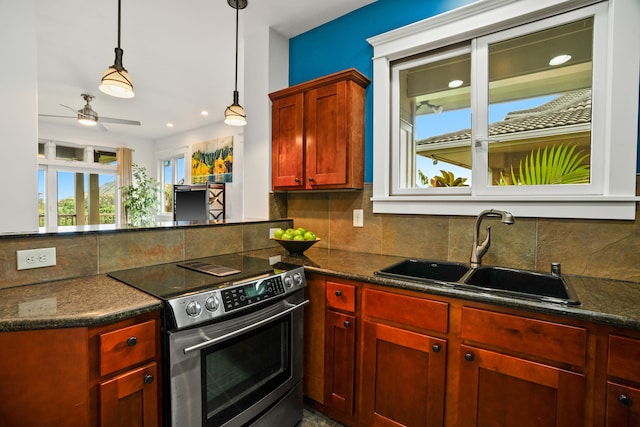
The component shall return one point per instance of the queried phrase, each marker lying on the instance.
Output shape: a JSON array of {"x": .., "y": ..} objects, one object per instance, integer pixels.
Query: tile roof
[{"x": 568, "y": 109}]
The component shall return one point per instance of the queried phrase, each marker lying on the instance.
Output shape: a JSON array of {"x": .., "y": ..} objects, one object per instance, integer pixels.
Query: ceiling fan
[{"x": 88, "y": 117}]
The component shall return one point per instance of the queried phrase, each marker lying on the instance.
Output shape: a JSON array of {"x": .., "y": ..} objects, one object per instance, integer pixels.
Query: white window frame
[
  {"x": 615, "y": 114},
  {"x": 161, "y": 157},
  {"x": 51, "y": 166}
]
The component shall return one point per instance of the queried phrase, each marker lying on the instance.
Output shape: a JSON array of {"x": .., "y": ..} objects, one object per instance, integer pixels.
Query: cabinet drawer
[
  {"x": 552, "y": 341},
  {"x": 341, "y": 296},
  {"x": 127, "y": 346},
  {"x": 406, "y": 310},
  {"x": 624, "y": 358}
]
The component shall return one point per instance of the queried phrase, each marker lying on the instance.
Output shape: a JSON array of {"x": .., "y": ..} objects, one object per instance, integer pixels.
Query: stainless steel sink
[
  {"x": 520, "y": 283},
  {"x": 421, "y": 270},
  {"x": 491, "y": 280}
]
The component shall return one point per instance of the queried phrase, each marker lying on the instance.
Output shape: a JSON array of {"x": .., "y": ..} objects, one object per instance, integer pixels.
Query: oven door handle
[{"x": 292, "y": 307}]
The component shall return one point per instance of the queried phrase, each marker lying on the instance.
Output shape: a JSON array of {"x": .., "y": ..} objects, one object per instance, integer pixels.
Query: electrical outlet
[
  {"x": 358, "y": 218},
  {"x": 272, "y": 231},
  {"x": 36, "y": 258}
]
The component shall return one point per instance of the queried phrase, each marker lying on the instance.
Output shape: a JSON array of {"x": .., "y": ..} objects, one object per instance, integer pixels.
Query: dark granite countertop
[
  {"x": 82, "y": 302},
  {"x": 611, "y": 302},
  {"x": 98, "y": 300}
]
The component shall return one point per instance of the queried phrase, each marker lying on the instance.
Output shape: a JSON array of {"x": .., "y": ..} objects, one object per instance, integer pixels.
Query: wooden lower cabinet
[
  {"x": 623, "y": 382},
  {"x": 501, "y": 390},
  {"x": 403, "y": 377},
  {"x": 44, "y": 378},
  {"x": 394, "y": 357}
]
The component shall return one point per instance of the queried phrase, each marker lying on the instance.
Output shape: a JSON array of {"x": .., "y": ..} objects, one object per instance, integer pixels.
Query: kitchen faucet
[{"x": 480, "y": 249}]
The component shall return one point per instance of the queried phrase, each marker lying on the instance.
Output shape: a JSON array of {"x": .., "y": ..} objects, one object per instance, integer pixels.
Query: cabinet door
[
  {"x": 130, "y": 399},
  {"x": 327, "y": 145},
  {"x": 340, "y": 361},
  {"x": 403, "y": 377},
  {"x": 314, "y": 325},
  {"x": 287, "y": 153},
  {"x": 623, "y": 405},
  {"x": 501, "y": 390}
]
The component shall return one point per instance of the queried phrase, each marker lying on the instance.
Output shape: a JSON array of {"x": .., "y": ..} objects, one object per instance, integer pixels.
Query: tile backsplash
[
  {"x": 595, "y": 248},
  {"x": 86, "y": 254}
]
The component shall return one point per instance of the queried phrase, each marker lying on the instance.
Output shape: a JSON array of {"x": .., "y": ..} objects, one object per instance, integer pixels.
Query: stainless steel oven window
[{"x": 238, "y": 373}]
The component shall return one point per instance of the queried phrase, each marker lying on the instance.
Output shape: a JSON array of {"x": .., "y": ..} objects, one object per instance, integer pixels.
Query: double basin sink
[{"x": 493, "y": 280}]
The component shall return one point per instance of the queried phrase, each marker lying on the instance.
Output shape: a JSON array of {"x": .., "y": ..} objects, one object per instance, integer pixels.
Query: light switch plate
[{"x": 358, "y": 218}]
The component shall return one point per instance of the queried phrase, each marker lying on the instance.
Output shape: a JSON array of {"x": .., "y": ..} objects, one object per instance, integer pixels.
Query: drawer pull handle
[
  {"x": 468, "y": 357},
  {"x": 625, "y": 400},
  {"x": 436, "y": 348},
  {"x": 347, "y": 323},
  {"x": 131, "y": 341},
  {"x": 148, "y": 379},
  {"x": 338, "y": 293}
]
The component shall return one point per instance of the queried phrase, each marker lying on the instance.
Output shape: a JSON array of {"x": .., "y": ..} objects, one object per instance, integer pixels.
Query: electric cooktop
[{"x": 172, "y": 280}]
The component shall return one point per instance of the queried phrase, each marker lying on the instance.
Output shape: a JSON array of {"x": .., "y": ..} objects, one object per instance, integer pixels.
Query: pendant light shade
[
  {"x": 234, "y": 115},
  {"x": 116, "y": 81}
]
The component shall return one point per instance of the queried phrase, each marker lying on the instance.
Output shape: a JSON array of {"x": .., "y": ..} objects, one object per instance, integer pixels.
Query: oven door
[{"x": 229, "y": 373}]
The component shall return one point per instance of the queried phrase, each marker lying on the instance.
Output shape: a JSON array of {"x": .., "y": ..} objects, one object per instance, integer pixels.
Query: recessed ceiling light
[
  {"x": 204, "y": 112},
  {"x": 560, "y": 59},
  {"x": 169, "y": 125},
  {"x": 455, "y": 83}
]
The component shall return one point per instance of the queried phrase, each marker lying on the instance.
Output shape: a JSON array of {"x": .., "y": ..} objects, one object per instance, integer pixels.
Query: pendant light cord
[
  {"x": 118, "y": 24},
  {"x": 236, "y": 81}
]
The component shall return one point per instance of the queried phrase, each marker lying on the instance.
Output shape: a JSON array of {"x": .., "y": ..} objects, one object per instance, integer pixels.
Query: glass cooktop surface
[{"x": 177, "y": 279}]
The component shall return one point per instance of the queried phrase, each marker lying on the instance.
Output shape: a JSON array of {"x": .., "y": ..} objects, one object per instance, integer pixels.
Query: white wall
[
  {"x": 18, "y": 117},
  {"x": 266, "y": 69}
]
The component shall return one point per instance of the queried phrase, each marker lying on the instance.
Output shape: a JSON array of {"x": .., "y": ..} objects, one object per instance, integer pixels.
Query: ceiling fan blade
[
  {"x": 118, "y": 121},
  {"x": 59, "y": 117},
  {"x": 69, "y": 108},
  {"x": 101, "y": 127}
]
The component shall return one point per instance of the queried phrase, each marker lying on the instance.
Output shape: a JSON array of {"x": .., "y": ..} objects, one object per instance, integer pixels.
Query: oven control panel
[{"x": 210, "y": 305}]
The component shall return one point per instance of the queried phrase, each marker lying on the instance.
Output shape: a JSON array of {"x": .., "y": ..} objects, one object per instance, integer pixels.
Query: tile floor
[{"x": 313, "y": 418}]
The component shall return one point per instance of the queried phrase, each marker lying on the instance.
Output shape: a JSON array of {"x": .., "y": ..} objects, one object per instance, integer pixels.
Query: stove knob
[
  {"x": 212, "y": 303},
  {"x": 297, "y": 278},
  {"x": 288, "y": 281},
  {"x": 194, "y": 309}
]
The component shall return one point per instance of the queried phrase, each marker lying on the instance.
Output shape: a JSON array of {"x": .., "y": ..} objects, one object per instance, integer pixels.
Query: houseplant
[{"x": 140, "y": 199}]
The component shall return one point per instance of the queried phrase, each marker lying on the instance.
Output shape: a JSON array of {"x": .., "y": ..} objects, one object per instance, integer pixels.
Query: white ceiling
[{"x": 180, "y": 55}]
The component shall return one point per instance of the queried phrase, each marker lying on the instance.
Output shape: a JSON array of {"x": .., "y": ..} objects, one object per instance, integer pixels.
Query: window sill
[{"x": 612, "y": 207}]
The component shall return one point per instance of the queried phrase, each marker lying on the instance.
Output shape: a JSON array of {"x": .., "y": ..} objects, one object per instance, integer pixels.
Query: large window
[
  {"x": 76, "y": 185},
  {"x": 532, "y": 108}
]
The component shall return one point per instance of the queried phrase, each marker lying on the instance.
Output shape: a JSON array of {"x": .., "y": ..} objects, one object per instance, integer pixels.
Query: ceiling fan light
[
  {"x": 86, "y": 115},
  {"x": 234, "y": 115}
]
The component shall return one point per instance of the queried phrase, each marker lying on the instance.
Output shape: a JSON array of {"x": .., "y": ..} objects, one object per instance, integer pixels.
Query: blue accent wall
[{"x": 342, "y": 43}]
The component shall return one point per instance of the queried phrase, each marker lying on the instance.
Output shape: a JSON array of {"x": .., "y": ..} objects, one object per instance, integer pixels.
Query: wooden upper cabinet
[{"x": 318, "y": 133}]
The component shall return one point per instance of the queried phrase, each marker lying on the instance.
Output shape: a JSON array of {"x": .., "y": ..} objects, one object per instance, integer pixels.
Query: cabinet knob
[
  {"x": 311, "y": 179},
  {"x": 148, "y": 379},
  {"x": 347, "y": 323},
  {"x": 468, "y": 357},
  {"x": 131, "y": 341},
  {"x": 338, "y": 293},
  {"x": 625, "y": 400},
  {"x": 436, "y": 348},
  {"x": 297, "y": 179}
]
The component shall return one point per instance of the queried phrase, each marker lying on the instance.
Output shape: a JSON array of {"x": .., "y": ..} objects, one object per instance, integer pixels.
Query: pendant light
[
  {"x": 116, "y": 81},
  {"x": 234, "y": 114}
]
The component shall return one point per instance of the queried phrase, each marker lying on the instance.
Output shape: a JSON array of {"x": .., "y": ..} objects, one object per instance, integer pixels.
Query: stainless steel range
[{"x": 232, "y": 340}]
